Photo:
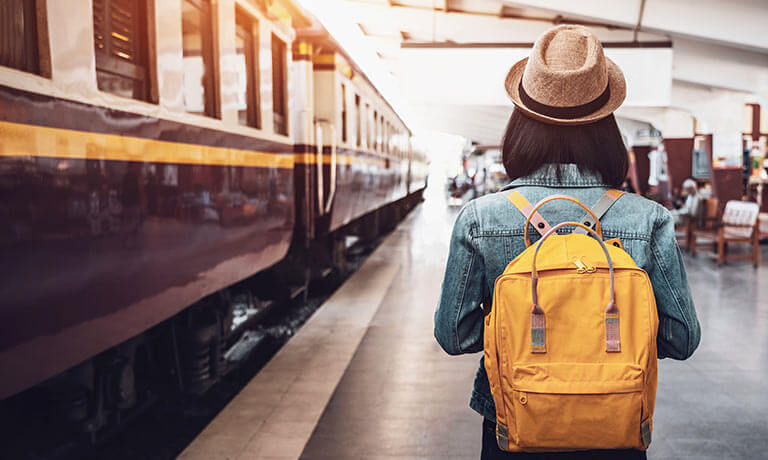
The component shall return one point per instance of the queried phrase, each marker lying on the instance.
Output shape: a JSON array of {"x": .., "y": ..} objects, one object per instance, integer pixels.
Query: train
[{"x": 154, "y": 154}]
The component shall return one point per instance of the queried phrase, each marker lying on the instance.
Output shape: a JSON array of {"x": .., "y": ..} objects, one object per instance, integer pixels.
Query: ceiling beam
[
  {"x": 739, "y": 23},
  {"x": 639, "y": 19},
  {"x": 427, "y": 24},
  {"x": 449, "y": 9},
  {"x": 528, "y": 45}
]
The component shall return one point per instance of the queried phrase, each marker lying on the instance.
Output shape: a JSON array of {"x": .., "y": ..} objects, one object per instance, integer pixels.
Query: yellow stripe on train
[{"x": 40, "y": 141}]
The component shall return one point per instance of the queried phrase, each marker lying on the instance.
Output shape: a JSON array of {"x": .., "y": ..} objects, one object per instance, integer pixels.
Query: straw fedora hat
[{"x": 567, "y": 80}]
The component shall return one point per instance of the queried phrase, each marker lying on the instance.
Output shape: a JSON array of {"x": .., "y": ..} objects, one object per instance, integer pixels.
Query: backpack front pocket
[{"x": 577, "y": 405}]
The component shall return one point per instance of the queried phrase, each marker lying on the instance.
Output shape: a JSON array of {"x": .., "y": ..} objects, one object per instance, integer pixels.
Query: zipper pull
[{"x": 582, "y": 267}]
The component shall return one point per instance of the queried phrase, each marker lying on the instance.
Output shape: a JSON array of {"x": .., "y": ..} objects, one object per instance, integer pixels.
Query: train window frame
[
  {"x": 368, "y": 130},
  {"x": 375, "y": 131},
  {"x": 279, "y": 47},
  {"x": 35, "y": 44},
  {"x": 111, "y": 64},
  {"x": 381, "y": 133},
  {"x": 344, "y": 116},
  {"x": 387, "y": 139},
  {"x": 384, "y": 135},
  {"x": 359, "y": 121},
  {"x": 211, "y": 106},
  {"x": 249, "y": 26}
]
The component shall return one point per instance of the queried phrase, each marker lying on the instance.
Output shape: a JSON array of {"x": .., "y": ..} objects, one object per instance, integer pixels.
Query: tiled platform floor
[{"x": 364, "y": 379}]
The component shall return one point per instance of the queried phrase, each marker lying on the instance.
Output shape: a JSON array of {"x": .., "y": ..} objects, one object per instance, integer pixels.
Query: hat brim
[{"x": 616, "y": 83}]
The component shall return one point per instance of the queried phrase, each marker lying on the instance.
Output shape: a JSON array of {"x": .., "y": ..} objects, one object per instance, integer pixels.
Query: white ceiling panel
[
  {"x": 736, "y": 22},
  {"x": 476, "y": 76},
  {"x": 443, "y": 63}
]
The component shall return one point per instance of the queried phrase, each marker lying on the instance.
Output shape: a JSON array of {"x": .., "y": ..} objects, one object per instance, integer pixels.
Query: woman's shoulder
[
  {"x": 642, "y": 205},
  {"x": 493, "y": 212},
  {"x": 635, "y": 215}
]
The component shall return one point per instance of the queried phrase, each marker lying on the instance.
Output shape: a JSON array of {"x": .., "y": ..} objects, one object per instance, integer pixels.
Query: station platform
[{"x": 365, "y": 379}]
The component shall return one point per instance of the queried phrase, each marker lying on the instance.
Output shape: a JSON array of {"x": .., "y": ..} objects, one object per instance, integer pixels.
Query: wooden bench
[{"x": 738, "y": 224}]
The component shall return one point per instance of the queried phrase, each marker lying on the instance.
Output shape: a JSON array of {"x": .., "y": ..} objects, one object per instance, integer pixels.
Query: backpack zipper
[{"x": 582, "y": 267}]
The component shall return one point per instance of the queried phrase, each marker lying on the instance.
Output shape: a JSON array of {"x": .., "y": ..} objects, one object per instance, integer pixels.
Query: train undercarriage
[{"x": 182, "y": 358}]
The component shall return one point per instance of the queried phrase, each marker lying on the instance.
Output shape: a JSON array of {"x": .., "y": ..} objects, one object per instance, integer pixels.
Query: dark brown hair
[{"x": 597, "y": 147}]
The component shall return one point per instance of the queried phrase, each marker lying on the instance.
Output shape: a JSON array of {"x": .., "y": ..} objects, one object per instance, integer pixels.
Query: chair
[
  {"x": 704, "y": 221},
  {"x": 738, "y": 224},
  {"x": 684, "y": 232}
]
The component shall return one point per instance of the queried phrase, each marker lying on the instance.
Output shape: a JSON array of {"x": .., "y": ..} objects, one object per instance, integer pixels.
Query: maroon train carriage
[{"x": 139, "y": 186}]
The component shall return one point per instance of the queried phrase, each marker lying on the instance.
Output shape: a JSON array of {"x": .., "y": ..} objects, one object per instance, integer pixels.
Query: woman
[{"x": 562, "y": 138}]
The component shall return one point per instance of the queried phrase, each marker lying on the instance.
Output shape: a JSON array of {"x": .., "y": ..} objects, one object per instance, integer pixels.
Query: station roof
[{"x": 446, "y": 59}]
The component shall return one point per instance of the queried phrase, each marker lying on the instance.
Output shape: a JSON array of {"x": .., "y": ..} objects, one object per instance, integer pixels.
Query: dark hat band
[{"x": 565, "y": 113}]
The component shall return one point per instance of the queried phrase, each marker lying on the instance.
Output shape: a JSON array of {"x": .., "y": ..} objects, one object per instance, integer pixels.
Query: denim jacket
[{"x": 488, "y": 234}]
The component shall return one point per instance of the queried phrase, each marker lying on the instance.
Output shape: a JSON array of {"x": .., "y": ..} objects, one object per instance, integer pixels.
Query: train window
[
  {"x": 358, "y": 122},
  {"x": 199, "y": 73},
  {"x": 393, "y": 140},
  {"x": 387, "y": 143},
  {"x": 384, "y": 136},
  {"x": 343, "y": 113},
  {"x": 247, "y": 64},
  {"x": 279, "y": 95},
  {"x": 368, "y": 127},
  {"x": 23, "y": 36},
  {"x": 375, "y": 143},
  {"x": 381, "y": 133},
  {"x": 121, "y": 41}
]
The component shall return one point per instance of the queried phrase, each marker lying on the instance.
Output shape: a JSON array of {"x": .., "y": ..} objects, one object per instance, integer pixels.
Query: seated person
[{"x": 691, "y": 205}]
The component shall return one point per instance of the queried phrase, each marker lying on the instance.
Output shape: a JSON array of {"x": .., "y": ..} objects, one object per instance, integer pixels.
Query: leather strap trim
[
  {"x": 612, "y": 341},
  {"x": 525, "y": 208},
  {"x": 538, "y": 321},
  {"x": 538, "y": 332},
  {"x": 566, "y": 113},
  {"x": 600, "y": 208}
]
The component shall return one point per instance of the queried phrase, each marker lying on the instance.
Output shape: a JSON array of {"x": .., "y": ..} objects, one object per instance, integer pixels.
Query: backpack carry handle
[
  {"x": 546, "y": 200},
  {"x": 538, "y": 321}
]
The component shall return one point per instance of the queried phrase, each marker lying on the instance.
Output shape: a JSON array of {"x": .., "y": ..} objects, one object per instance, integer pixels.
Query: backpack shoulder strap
[
  {"x": 600, "y": 208},
  {"x": 525, "y": 208}
]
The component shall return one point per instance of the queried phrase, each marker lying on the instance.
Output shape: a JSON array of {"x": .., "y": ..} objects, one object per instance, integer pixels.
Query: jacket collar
[{"x": 570, "y": 177}]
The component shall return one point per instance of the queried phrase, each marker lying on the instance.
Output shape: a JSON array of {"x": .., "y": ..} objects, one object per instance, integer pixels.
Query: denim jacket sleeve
[
  {"x": 459, "y": 315},
  {"x": 679, "y": 331}
]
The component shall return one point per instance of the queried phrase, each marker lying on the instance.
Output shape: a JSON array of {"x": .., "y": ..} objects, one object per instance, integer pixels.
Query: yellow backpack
[{"x": 570, "y": 342}]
